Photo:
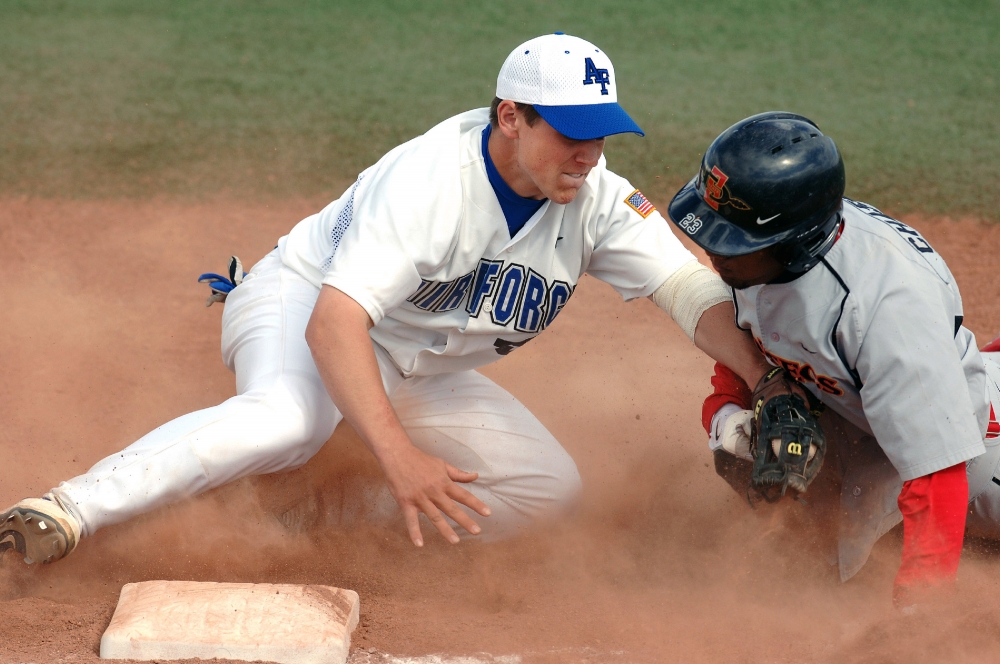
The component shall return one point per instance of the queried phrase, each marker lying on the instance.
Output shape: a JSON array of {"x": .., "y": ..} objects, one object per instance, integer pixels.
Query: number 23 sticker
[{"x": 690, "y": 223}]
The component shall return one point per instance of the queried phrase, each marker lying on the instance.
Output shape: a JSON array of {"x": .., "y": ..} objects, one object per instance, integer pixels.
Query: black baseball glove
[{"x": 786, "y": 441}]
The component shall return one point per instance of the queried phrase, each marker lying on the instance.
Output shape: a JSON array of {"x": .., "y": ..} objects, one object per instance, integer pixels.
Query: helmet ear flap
[{"x": 800, "y": 254}]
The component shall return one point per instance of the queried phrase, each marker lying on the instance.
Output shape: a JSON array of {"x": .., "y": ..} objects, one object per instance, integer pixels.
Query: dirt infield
[{"x": 105, "y": 336}]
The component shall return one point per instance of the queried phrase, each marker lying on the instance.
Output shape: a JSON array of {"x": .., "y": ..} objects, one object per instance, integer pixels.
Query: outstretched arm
[
  {"x": 701, "y": 304},
  {"x": 934, "y": 508},
  {"x": 338, "y": 338},
  {"x": 727, "y": 344}
]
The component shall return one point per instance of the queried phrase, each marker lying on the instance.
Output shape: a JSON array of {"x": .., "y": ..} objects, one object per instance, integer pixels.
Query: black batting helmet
[{"x": 771, "y": 180}]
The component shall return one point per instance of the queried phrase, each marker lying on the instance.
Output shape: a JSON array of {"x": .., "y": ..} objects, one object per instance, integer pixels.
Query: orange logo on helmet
[{"x": 717, "y": 193}]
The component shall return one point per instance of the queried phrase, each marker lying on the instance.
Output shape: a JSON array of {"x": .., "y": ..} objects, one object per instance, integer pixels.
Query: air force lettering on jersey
[
  {"x": 512, "y": 295},
  {"x": 445, "y": 285}
]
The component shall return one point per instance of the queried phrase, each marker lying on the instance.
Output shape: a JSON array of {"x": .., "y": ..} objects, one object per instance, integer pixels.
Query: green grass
[{"x": 261, "y": 99}]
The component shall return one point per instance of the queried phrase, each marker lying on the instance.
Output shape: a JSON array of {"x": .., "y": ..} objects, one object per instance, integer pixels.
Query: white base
[{"x": 285, "y": 623}]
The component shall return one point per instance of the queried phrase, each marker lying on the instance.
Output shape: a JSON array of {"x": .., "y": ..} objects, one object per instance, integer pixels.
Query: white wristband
[{"x": 688, "y": 293}]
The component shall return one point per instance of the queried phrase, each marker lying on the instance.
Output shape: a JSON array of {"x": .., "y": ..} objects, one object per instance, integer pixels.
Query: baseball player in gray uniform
[
  {"x": 451, "y": 251},
  {"x": 860, "y": 310}
]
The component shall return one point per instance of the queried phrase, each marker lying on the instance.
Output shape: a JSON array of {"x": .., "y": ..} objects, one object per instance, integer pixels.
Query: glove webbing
[{"x": 782, "y": 417}]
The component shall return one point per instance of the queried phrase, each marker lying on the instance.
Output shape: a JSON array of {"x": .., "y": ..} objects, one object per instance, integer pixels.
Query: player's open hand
[{"x": 423, "y": 483}]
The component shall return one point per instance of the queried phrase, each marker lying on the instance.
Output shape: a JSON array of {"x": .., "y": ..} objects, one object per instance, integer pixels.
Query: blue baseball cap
[{"x": 570, "y": 82}]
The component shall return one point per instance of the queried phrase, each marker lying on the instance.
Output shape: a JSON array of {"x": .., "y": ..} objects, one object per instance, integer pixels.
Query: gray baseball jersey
[{"x": 875, "y": 331}]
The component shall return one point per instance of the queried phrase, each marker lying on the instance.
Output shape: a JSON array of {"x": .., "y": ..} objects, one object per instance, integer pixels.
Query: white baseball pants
[{"x": 282, "y": 415}]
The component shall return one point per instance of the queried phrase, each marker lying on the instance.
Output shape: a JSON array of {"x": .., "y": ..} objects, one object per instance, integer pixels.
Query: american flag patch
[
  {"x": 993, "y": 429},
  {"x": 640, "y": 203}
]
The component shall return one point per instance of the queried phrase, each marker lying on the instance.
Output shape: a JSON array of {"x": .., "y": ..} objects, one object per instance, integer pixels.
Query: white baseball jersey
[
  {"x": 875, "y": 331},
  {"x": 420, "y": 242}
]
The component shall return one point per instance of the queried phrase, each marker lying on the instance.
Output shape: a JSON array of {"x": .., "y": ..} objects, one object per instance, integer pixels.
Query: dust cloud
[{"x": 106, "y": 337}]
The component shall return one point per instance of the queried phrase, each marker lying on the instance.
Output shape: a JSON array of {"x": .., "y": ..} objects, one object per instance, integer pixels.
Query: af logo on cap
[
  {"x": 591, "y": 75},
  {"x": 717, "y": 193}
]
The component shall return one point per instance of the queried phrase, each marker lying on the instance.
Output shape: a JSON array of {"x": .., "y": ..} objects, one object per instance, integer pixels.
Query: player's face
[
  {"x": 555, "y": 164},
  {"x": 760, "y": 267},
  {"x": 537, "y": 161}
]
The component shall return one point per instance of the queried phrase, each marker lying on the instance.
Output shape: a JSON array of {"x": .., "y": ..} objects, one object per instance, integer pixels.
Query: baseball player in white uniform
[
  {"x": 452, "y": 250},
  {"x": 862, "y": 311}
]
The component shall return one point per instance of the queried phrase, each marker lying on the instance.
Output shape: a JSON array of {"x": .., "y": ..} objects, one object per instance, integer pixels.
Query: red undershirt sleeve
[
  {"x": 934, "y": 508},
  {"x": 729, "y": 388}
]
